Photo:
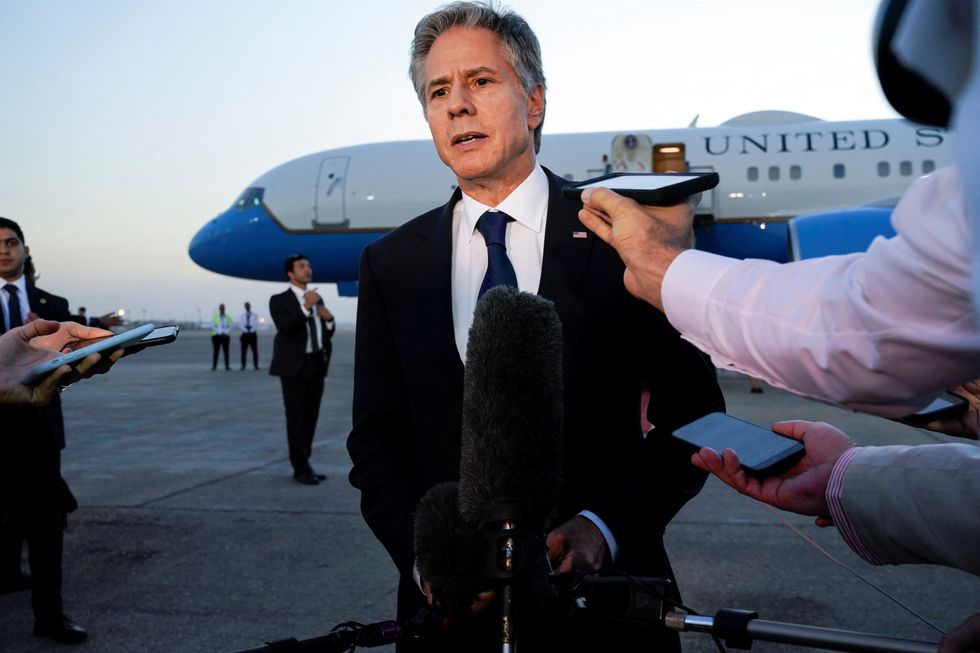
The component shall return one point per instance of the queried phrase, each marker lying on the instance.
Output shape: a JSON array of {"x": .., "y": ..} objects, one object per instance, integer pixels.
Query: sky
[{"x": 126, "y": 125}]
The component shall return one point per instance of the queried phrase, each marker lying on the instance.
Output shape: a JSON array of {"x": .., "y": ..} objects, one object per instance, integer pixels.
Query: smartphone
[
  {"x": 38, "y": 372},
  {"x": 159, "y": 336},
  {"x": 945, "y": 406},
  {"x": 654, "y": 188},
  {"x": 761, "y": 451}
]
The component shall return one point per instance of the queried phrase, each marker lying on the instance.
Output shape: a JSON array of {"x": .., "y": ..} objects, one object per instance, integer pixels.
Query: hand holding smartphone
[
  {"x": 130, "y": 341},
  {"x": 760, "y": 451}
]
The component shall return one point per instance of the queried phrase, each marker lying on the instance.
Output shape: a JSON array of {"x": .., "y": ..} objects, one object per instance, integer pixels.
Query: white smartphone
[
  {"x": 38, "y": 372},
  {"x": 161, "y": 335},
  {"x": 653, "y": 188}
]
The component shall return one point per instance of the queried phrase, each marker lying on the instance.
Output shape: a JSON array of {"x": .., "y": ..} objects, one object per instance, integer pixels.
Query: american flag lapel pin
[{"x": 580, "y": 234}]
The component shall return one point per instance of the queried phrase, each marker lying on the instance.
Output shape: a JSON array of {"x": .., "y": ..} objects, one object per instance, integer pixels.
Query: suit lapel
[
  {"x": 38, "y": 303},
  {"x": 433, "y": 265},
  {"x": 566, "y": 257}
]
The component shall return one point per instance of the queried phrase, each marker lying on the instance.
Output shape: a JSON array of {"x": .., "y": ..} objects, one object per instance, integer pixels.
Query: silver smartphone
[{"x": 40, "y": 371}]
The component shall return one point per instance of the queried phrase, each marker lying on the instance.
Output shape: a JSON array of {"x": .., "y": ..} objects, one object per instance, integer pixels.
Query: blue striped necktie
[{"x": 500, "y": 271}]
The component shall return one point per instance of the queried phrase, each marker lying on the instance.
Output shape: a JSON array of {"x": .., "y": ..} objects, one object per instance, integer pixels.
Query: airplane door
[
  {"x": 328, "y": 208},
  {"x": 669, "y": 157}
]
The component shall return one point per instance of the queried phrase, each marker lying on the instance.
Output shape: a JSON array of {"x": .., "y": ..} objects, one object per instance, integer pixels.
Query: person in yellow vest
[{"x": 220, "y": 336}]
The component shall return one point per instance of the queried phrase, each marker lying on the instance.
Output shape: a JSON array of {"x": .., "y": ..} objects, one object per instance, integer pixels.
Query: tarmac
[{"x": 192, "y": 536}]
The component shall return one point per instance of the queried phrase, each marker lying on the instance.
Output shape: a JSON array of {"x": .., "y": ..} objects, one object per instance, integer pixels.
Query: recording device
[
  {"x": 489, "y": 529},
  {"x": 760, "y": 451},
  {"x": 946, "y": 406},
  {"x": 158, "y": 336},
  {"x": 38, "y": 372},
  {"x": 653, "y": 188}
]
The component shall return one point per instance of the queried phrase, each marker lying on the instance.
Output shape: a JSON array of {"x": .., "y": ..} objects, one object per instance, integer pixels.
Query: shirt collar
[
  {"x": 527, "y": 204},
  {"x": 20, "y": 282}
]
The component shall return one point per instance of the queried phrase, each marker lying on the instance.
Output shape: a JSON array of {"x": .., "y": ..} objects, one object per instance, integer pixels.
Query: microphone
[
  {"x": 490, "y": 527},
  {"x": 448, "y": 550},
  {"x": 511, "y": 454}
]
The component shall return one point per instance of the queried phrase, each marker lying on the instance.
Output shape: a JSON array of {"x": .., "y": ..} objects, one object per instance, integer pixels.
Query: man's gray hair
[{"x": 520, "y": 44}]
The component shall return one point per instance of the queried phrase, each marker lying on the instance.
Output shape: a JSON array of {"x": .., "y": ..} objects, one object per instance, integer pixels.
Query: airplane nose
[
  {"x": 244, "y": 242},
  {"x": 204, "y": 245}
]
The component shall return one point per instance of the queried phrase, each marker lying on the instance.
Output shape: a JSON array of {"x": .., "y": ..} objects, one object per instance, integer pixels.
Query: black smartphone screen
[{"x": 760, "y": 450}]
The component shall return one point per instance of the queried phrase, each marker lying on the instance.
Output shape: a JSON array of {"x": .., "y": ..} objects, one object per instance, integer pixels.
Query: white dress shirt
[
  {"x": 879, "y": 332},
  {"x": 25, "y": 305},
  {"x": 248, "y": 322},
  {"x": 528, "y": 205}
]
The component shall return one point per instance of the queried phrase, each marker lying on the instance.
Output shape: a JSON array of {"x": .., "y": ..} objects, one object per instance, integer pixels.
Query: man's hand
[
  {"x": 576, "y": 544},
  {"x": 25, "y": 347},
  {"x": 963, "y": 638},
  {"x": 966, "y": 425},
  {"x": 310, "y": 299},
  {"x": 647, "y": 238},
  {"x": 324, "y": 313},
  {"x": 801, "y": 489}
]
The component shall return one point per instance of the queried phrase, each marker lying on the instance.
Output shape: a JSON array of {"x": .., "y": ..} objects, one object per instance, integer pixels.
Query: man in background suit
[
  {"x": 34, "y": 498},
  {"x": 478, "y": 75},
  {"x": 248, "y": 324},
  {"x": 300, "y": 357}
]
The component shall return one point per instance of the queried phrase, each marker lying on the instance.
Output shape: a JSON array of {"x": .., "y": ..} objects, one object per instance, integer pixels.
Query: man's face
[
  {"x": 481, "y": 122},
  {"x": 221, "y": 308},
  {"x": 302, "y": 272},
  {"x": 13, "y": 254}
]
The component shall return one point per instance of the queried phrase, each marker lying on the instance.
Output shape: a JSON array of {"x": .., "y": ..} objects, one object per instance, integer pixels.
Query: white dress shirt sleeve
[{"x": 878, "y": 332}]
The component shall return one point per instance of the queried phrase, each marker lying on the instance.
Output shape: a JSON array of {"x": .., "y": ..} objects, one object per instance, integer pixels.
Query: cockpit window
[{"x": 249, "y": 197}]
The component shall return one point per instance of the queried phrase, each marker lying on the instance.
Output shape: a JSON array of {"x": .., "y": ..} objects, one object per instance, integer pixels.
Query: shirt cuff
[
  {"x": 835, "y": 503},
  {"x": 606, "y": 533}
]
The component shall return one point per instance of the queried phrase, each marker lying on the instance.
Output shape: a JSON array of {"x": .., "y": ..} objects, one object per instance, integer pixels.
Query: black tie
[
  {"x": 248, "y": 322},
  {"x": 314, "y": 343},
  {"x": 13, "y": 305},
  {"x": 500, "y": 271}
]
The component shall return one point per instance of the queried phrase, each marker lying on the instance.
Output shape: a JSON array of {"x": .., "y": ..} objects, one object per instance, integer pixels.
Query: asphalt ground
[{"x": 192, "y": 535}]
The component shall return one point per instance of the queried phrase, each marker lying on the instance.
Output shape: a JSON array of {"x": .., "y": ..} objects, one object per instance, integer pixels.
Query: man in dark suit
[
  {"x": 478, "y": 75},
  {"x": 34, "y": 499},
  {"x": 300, "y": 357}
]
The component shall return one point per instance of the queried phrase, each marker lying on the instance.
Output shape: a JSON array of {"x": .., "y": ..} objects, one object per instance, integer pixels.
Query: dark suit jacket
[
  {"x": 30, "y": 481},
  {"x": 49, "y": 307},
  {"x": 408, "y": 386},
  {"x": 292, "y": 333}
]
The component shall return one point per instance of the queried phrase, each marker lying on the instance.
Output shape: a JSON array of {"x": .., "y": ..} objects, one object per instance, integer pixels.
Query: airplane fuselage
[{"x": 773, "y": 166}]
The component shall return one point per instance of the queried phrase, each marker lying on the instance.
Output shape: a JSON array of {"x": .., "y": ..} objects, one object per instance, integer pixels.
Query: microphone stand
[
  {"x": 508, "y": 597},
  {"x": 644, "y": 604},
  {"x": 515, "y": 559},
  {"x": 740, "y": 627}
]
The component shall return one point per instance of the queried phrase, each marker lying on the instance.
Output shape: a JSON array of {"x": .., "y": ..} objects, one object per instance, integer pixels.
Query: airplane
[{"x": 774, "y": 166}]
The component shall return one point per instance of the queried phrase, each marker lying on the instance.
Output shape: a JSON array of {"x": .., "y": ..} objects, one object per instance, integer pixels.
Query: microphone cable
[{"x": 869, "y": 583}]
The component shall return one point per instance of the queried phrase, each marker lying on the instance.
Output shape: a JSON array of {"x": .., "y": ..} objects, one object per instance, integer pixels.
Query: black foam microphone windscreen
[
  {"x": 512, "y": 409},
  {"x": 448, "y": 549}
]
